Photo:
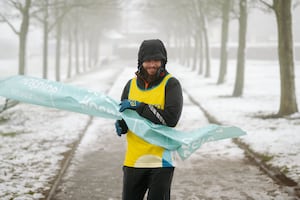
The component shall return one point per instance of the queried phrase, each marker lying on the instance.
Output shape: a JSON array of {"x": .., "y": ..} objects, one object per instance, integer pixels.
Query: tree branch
[
  {"x": 59, "y": 18},
  {"x": 296, "y": 4},
  {"x": 267, "y": 4},
  {"x": 16, "y": 4},
  {"x": 34, "y": 15},
  {"x": 4, "y": 19}
]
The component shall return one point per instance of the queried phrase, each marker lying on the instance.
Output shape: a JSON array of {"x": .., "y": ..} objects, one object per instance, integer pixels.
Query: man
[{"x": 157, "y": 96}]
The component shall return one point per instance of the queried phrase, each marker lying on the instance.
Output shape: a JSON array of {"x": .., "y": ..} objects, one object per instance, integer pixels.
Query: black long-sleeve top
[{"x": 173, "y": 101}]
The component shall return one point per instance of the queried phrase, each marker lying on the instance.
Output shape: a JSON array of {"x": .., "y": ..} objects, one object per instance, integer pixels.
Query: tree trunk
[
  {"x": 45, "y": 42},
  {"x": 69, "y": 53},
  {"x": 187, "y": 48},
  {"x": 240, "y": 68},
  {"x": 224, "y": 40},
  {"x": 201, "y": 57},
  {"x": 288, "y": 102},
  {"x": 206, "y": 42},
  {"x": 196, "y": 52},
  {"x": 204, "y": 32},
  {"x": 177, "y": 42},
  {"x": 58, "y": 50},
  {"x": 22, "y": 52},
  {"x": 84, "y": 53},
  {"x": 76, "y": 40},
  {"x": 59, "y": 21},
  {"x": 23, "y": 37},
  {"x": 96, "y": 51},
  {"x": 90, "y": 51}
]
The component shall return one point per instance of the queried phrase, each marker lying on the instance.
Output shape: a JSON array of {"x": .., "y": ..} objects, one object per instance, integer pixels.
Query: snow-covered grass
[
  {"x": 277, "y": 139},
  {"x": 34, "y": 140}
]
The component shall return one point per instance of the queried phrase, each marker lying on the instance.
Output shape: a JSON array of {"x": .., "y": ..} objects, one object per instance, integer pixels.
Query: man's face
[{"x": 151, "y": 66}]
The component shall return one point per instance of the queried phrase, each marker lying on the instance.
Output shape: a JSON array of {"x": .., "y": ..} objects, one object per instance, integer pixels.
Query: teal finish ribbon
[{"x": 67, "y": 97}]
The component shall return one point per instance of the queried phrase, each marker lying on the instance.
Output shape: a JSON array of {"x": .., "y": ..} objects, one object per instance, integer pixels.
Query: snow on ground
[
  {"x": 31, "y": 157},
  {"x": 278, "y": 139},
  {"x": 33, "y": 140}
]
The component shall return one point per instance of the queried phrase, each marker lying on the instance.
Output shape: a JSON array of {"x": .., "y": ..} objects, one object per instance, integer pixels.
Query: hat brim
[{"x": 154, "y": 57}]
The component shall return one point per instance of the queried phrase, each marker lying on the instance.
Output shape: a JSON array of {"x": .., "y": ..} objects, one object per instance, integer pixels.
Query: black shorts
[{"x": 136, "y": 182}]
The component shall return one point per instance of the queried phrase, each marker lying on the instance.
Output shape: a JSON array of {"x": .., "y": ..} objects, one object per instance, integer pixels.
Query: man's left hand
[{"x": 129, "y": 104}]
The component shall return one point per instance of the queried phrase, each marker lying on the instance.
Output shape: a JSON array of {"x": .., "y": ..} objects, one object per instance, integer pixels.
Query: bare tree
[
  {"x": 240, "y": 68},
  {"x": 50, "y": 14},
  {"x": 201, "y": 52},
  {"x": 282, "y": 9},
  {"x": 224, "y": 39},
  {"x": 198, "y": 38},
  {"x": 204, "y": 29},
  {"x": 43, "y": 17},
  {"x": 80, "y": 24},
  {"x": 59, "y": 20},
  {"x": 23, "y": 9}
]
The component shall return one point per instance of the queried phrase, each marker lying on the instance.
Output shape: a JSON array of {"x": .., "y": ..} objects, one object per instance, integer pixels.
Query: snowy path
[{"x": 218, "y": 170}]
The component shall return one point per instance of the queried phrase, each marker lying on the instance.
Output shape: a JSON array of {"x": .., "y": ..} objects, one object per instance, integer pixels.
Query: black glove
[{"x": 121, "y": 127}]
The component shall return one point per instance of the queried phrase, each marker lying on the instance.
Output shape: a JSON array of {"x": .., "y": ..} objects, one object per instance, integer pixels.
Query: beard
[{"x": 147, "y": 77}]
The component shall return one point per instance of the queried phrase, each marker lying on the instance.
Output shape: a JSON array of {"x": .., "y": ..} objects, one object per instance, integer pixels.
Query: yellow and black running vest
[{"x": 140, "y": 153}]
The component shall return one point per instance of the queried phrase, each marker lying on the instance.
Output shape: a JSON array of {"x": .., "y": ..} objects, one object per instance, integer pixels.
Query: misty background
[
  {"x": 57, "y": 39},
  {"x": 114, "y": 25}
]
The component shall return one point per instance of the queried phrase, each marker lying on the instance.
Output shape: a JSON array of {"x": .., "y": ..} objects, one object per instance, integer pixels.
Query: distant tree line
[{"x": 79, "y": 24}]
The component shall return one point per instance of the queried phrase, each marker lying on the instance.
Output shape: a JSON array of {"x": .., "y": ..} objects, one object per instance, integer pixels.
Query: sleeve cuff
[{"x": 141, "y": 108}]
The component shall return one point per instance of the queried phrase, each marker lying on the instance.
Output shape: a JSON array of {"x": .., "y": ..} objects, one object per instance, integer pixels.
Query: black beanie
[{"x": 152, "y": 49}]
